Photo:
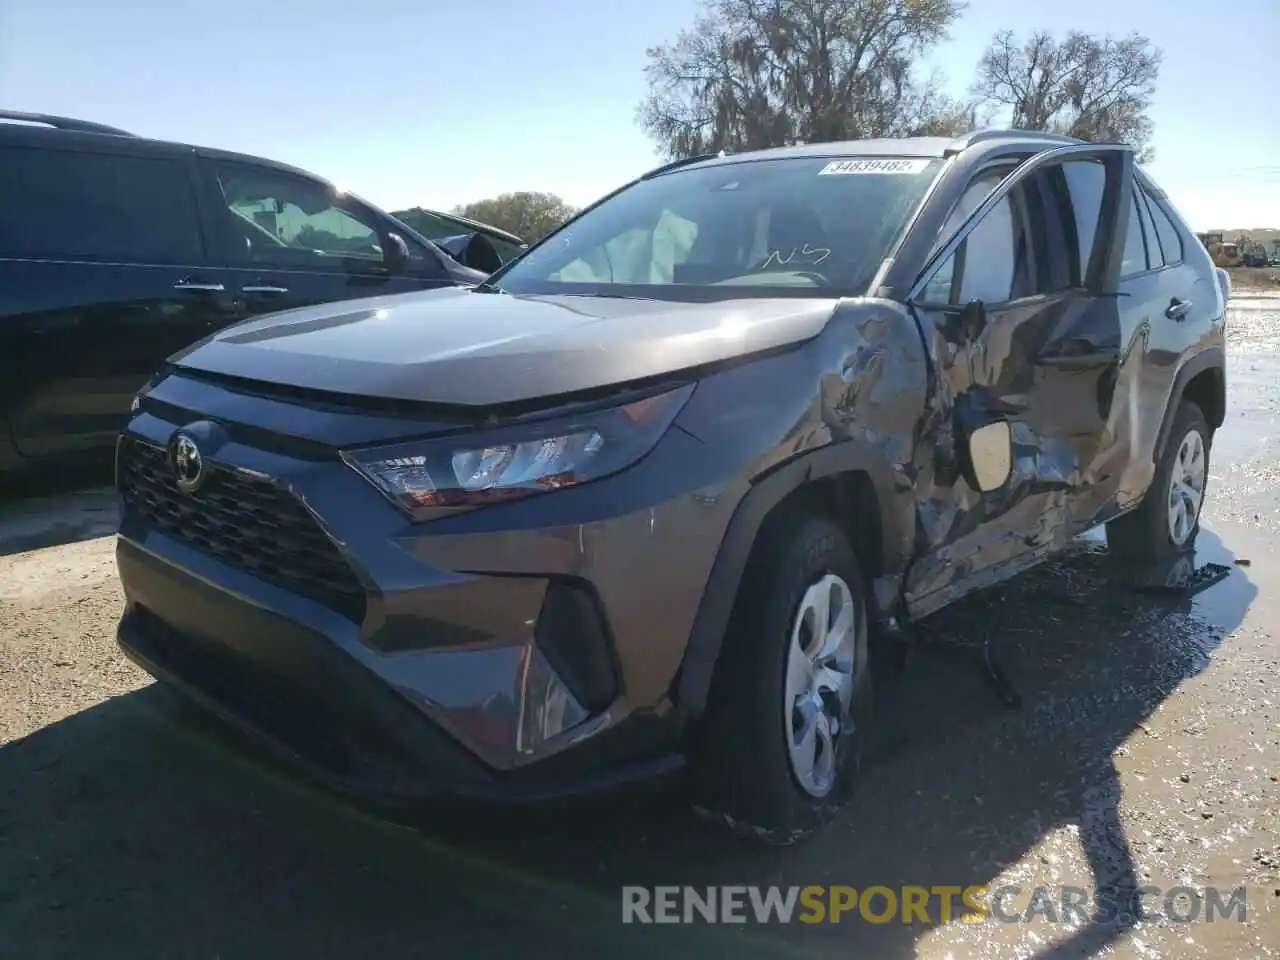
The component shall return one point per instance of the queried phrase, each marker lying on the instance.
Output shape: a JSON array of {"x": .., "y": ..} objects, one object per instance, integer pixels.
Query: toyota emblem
[{"x": 188, "y": 464}]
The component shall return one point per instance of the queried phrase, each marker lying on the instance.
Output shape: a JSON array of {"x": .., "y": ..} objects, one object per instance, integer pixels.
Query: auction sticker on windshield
[{"x": 876, "y": 165}]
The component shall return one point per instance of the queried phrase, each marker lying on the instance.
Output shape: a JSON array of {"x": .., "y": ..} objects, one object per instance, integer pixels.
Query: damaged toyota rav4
[{"x": 639, "y": 501}]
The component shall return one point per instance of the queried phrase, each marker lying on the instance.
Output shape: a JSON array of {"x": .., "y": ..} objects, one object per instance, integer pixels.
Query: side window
[
  {"x": 1135, "y": 250},
  {"x": 1154, "y": 258},
  {"x": 507, "y": 250},
  {"x": 1166, "y": 232},
  {"x": 288, "y": 221},
  {"x": 1086, "y": 180},
  {"x": 990, "y": 256},
  {"x": 942, "y": 287},
  {"x": 97, "y": 206}
]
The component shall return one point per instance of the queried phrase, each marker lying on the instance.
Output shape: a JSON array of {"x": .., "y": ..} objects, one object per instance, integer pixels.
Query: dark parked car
[
  {"x": 639, "y": 500},
  {"x": 116, "y": 251},
  {"x": 446, "y": 228}
]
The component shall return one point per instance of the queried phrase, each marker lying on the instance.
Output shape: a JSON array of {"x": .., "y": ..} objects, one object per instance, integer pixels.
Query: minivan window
[
  {"x": 794, "y": 226},
  {"x": 96, "y": 206},
  {"x": 289, "y": 221}
]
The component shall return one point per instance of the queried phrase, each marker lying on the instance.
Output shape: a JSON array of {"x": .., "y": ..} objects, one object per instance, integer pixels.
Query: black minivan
[{"x": 116, "y": 251}]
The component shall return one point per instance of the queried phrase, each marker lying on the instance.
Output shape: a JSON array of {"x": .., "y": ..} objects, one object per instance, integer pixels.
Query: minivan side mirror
[{"x": 395, "y": 254}]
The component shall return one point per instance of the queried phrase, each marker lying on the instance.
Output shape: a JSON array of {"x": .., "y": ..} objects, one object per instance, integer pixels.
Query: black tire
[
  {"x": 1144, "y": 534},
  {"x": 743, "y": 773}
]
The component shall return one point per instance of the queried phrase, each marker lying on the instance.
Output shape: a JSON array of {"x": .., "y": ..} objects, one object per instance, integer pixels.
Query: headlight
[{"x": 434, "y": 477}]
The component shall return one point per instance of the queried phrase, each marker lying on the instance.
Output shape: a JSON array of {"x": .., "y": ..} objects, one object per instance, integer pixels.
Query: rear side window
[
  {"x": 1166, "y": 232},
  {"x": 1135, "y": 251},
  {"x": 96, "y": 206},
  {"x": 1154, "y": 258}
]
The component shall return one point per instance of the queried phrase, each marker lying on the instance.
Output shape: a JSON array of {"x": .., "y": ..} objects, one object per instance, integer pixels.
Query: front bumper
[{"x": 523, "y": 651}]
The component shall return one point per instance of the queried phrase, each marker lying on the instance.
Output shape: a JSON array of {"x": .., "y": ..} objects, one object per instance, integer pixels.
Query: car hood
[{"x": 457, "y": 346}]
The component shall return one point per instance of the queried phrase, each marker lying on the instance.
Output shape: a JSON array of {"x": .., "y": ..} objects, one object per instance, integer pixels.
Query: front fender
[{"x": 868, "y": 377}]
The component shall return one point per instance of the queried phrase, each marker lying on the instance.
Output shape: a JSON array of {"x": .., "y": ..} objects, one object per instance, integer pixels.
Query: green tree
[
  {"x": 530, "y": 216},
  {"x": 1086, "y": 86},
  {"x": 764, "y": 73}
]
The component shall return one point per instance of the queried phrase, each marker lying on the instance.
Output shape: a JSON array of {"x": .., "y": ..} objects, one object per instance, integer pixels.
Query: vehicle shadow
[
  {"x": 140, "y": 824},
  {"x": 50, "y": 507}
]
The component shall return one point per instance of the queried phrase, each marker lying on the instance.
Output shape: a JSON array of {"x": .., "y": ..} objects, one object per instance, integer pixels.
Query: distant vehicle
[
  {"x": 1225, "y": 254},
  {"x": 116, "y": 251},
  {"x": 637, "y": 502},
  {"x": 1254, "y": 255},
  {"x": 445, "y": 229}
]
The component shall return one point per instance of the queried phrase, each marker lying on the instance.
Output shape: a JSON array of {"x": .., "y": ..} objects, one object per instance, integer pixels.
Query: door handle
[
  {"x": 1079, "y": 361},
  {"x": 1177, "y": 308},
  {"x": 264, "y": 289},
  {"x": 185, "y": 284}
]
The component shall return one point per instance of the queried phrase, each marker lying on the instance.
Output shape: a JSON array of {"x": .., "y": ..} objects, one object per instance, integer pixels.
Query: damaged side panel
[{"x": 1047, "y": 367}]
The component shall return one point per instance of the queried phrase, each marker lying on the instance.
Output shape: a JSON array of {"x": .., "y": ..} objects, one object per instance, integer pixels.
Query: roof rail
[
  {"x": 63, "y": 123},
  {"x": 682, "y": 162},
  {"x": 1004, "y": 133}
]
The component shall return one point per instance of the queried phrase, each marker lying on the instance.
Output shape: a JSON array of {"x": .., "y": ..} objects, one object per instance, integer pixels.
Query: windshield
[{"x": 763, "y": 228}]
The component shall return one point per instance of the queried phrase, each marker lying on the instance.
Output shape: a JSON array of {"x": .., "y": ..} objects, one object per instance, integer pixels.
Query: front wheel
[
  {"x": 1168, "y": 519},
  {"x": 790, "y": 701}
]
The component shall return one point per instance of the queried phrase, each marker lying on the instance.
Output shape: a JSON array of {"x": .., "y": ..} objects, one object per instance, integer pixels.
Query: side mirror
[
  {"x": 473, "y": 250},
  {"x": 991, "y": 455},
  {"x": 395, "y": 254}
]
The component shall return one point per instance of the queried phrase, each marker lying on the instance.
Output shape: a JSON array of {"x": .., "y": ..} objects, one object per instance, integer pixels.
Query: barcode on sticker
[{"x": 878, "y": 165}]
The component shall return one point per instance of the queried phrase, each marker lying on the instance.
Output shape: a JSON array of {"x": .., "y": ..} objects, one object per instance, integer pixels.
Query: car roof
[
  {"x": 924, "y": 147},
  {"x": 50, "y": 129}
]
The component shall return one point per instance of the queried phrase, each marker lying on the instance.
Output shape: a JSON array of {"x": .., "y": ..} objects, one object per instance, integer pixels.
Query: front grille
[{"x": 244, "y": 521}]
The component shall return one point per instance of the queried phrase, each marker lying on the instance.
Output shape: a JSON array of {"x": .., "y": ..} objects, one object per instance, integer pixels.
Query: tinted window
[
  {"x": 1135, "y": 251},
  {"x": 1170, "y": 239},
  {"x": 278, "y": 219},
  {"x": 1086, "y": 180},
  {"x": 96, "y": 206},
  {"x": 759, "y": 227}
]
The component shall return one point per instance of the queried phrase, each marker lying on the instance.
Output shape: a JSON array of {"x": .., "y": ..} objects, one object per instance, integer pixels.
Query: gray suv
[{"x": 640, "y": 500}]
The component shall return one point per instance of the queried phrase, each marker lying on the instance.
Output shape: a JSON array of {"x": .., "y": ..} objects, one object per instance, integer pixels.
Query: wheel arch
[
  {"x": 1202, "y": 379},
  {"x": 850, "y": 481}
]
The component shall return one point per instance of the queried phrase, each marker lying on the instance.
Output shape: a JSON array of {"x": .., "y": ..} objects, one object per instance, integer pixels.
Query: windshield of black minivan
[{"x": 763, "y": 228}]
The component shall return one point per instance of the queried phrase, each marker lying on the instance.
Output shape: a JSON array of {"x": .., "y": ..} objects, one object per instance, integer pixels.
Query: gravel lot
[{"x": 1148, "y": 751}]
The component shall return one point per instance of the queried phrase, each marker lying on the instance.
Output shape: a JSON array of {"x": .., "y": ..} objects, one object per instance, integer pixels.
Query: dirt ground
[
  {"x": 1255, "y": 279},
  {"x": 1147, "y": 752}
]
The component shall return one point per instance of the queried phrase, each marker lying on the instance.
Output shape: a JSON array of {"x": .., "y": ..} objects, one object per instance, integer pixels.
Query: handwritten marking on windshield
[{"x": 806, "y": 255}]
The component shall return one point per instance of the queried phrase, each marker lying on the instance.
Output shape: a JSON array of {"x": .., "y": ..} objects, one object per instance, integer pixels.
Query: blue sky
[{"x": 436, "y": 103}]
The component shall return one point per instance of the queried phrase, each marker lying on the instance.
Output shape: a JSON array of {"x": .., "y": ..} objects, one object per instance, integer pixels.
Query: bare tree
[
  {"x": 763, "y": 73},
  {"x": 1094, "y": 88}
]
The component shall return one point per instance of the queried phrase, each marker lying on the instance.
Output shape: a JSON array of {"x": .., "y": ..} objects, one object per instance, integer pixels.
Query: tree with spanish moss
[{"x": 764, "y": 73}]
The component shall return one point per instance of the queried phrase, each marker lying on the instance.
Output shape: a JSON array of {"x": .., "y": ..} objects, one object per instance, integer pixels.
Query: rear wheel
[
  {"x": 1168, "y": 519},
  {"x": 790, "y": 700}
]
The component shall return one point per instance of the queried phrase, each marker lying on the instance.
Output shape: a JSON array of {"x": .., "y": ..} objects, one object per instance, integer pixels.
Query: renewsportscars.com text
[{"x": 929, "y": 905}]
